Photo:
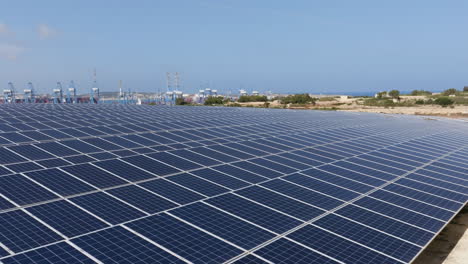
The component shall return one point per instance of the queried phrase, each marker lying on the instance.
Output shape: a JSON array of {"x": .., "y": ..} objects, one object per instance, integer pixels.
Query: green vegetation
[
  {"x": 379, "y": 102},
  {"x": 252, "y": 98},
  {"x": 420, "y": 92},
  {"x": 465, "y": 89},
  {"x": 444, "y": 101},
  {"x": 214, "y": 100},
  {"x": 181, "y": 101},
  {"x": 395, "y": 94},
  {"x": 298, "y": 99},
  {"x": 451, "y": 91},
  {"x": 326, "y": 99}
]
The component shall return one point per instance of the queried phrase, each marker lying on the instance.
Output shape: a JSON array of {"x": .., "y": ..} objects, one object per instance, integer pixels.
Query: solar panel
[{"x": 154, "y": 184}]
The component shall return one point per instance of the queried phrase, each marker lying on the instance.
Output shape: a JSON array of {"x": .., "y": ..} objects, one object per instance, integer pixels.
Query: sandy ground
[
  {"x": 451, "y": 245},
  {"x": 456, "y": 112},
  {"x": 459, "y": 111}
]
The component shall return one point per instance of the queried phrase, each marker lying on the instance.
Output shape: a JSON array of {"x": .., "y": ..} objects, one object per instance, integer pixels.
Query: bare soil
[{"x": 445, "y": 243}]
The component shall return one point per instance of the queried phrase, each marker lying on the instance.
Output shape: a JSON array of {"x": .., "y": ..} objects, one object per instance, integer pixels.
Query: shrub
[
  {"x": 450, "y": 91},
  {"x": 214, "y": 100},
  {"x": 394, "y": 94},
  {"x": 420, "y": 92},
  {"x": 443, "y": 101},
  {"x": 252, "y": 98},
  {"x": 298, "y": 99},
  {"x": 180, "y": 101}
]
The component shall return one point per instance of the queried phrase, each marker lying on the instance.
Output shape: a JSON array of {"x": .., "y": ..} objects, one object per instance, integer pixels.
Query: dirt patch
[{"x": 440, "y": 248}]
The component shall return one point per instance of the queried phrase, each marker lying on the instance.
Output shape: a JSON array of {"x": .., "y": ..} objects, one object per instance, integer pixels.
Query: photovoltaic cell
[
  {"x": 117, "y": 245},
  {"x": 107, "y": 207},
  {"x": 340, "y": 248},
  {"x": 66, "y": 218},
  {"x": 60, "y": 253},
  {"x": 254, "y": 213},
  {"x": 223, "y": 225},
  {"x": 184, "y": 240},
  {"x": 19, "y": 231}
]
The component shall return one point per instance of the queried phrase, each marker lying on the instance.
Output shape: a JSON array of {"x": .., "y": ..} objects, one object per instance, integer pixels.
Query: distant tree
[
  {"x": 450, "y": 91},
  {"x": 180, "y": 101},
  {"x": 420, "y": 92},
  {"x": 214, "y": 100},
  {"x": 465, "y": 89},
  {"x": 443, "y": 101},
  {"x": 381, "y": 95},
  {"x": 395, "y": 94},
  {"x": 252, "y": 98},
  {"x": 298, "y": 99}
]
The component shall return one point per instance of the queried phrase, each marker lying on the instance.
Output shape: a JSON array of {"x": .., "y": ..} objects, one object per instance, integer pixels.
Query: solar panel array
[{"x": 147, "y": 184}]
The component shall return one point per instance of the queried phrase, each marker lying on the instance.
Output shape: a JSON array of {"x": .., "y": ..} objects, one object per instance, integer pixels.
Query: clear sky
[{"x": 282, "y": 46}]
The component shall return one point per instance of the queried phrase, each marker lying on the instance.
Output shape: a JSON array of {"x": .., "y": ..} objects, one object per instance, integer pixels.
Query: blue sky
[{"x": 282, "y": 46}]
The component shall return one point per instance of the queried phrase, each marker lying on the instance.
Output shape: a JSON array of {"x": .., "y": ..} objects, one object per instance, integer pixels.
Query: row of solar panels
[
  {"x": 216, "y": 199},
  {"x": 94, "y": 199},
  {"x": 106, "y": 115}
]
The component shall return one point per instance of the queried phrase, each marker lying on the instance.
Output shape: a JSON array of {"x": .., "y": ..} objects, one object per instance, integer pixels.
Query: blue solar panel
[
  {"x": 410, "y": 204},
  {"x": 60, "y": 182},
  {"x": 220, "y": 178},
  {"x": 388, "y": 225},
  {"x": 266, "y": 172},
  {"x": 250, "y": 259},
  {"x": 102, "y": 144},
  {"x": 23, "y": 191},
  {"x": 107, "y": 207},
  {"x": 151, "y": 165},
  {"x": 281, "y": 203},
  {"x": 7, "y": 156},
  {"x": 223, "y": 225},
  {"x": 60, "y": 253},
  {"x": 175, "y": 161},
  {"x": 285, "y": 251},
  {"x": 254, "y": 213},
  {"x": 240, "y": 173},
  {"x": 400, "y": 213},
  {"x": 352, "y": 175},
  {"x": 193, "y": 156},
  {"x": 80, "y": 146},
  {"x": 422, "y": 196},
  {"x": 172, "y": 191},
  {"x": 124, "y": 170},
  {"x": 213, "y": 154},
  {"x": 53, "y": 163},
  {"x": 67, "y": 218},
  {"x": 185, "y": 240},
  {"x": 22, "y": 167},
  {"x": 142, "y": 199},
  {"x": 94, "y": 175},
  {"x": 199, "y": 185},
  {"x": 340, "y": 248},
  {"x": 31, "y": 152},
  {"x": 382, "y": 242},
  {"x": 5, "y": 204},
  {"x": 117, "y": 245},
  {"x": 322, "y": 187},
  {"x": 57, "y": 149},
  {"x": 303, "y": 194},
  {"x": 19, "y": 231}
]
